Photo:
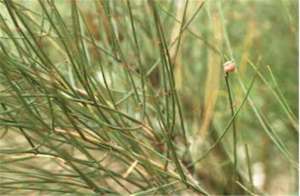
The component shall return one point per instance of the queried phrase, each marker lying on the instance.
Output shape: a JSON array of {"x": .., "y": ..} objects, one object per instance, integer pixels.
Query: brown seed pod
[{"x": 229, "y": 66}]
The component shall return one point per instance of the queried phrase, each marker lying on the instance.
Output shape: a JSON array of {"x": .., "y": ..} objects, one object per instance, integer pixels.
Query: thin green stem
[{"x": 234, "y": 177}]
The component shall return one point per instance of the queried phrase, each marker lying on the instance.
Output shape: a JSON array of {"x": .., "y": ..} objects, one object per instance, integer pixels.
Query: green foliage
[{"x": 129, "y": 97}]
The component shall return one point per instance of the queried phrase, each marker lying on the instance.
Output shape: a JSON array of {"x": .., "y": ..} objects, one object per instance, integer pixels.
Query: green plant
[{"x": 104, "y": 97}]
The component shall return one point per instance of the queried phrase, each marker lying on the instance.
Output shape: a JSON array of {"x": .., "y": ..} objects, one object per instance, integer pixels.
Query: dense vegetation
[{"x": 130, "y": 97}]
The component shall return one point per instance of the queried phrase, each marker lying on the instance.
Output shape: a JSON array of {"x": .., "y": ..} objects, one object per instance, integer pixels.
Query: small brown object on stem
[{"x": 229, "y": 66}]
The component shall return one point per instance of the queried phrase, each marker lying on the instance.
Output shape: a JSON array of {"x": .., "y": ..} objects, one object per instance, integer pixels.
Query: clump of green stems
[{"x": 90, "y": 105}]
